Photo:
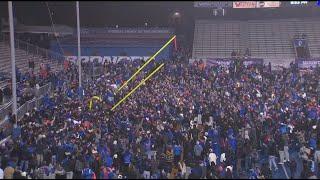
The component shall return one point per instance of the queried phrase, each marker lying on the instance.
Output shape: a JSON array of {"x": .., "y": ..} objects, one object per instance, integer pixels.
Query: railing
[
  {"x": 22, "y": 110},
  {"x": 34, "y": 103},
  {"x": 5, "y": 140},
  {"x": 32, "y": 49},
  {"x": 4, "y": 111}
]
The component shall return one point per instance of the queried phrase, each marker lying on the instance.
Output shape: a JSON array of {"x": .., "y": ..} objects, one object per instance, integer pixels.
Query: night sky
[
  {"x": 125, "y": 13},
  {"x": 136, "y": 13},
  {"x": 97, "y": 13}
]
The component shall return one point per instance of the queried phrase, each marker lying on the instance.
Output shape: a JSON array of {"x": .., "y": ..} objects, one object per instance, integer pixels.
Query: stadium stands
[
  {"x": 117, "y": 42},
  {"x": 196, "y": 118},
  {"x": 216, "y": 38},
  {"x": 268, "y": 39},
  {"x": 22, "y": 58}
]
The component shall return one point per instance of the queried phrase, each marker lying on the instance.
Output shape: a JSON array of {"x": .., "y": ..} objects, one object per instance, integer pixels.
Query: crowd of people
[
  {"x": 27, "y": 83},
  {"x": 187, "y": 121}
]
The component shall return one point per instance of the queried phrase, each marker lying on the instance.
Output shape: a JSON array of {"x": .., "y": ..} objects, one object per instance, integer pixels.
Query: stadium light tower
[
  {"x": 175, "y": 17},
  {"x": 13, "y": 63},
  {"x": 176, "y": 14}
]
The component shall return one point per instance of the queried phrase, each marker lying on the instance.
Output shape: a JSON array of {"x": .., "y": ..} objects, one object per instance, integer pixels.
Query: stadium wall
[{"x": 99, "y": 50}]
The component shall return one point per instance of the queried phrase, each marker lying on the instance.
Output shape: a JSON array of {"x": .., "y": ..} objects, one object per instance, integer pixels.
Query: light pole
[
  {"x": 176, "y": 17},
  {"x": 13, "y": 63},
  {"x": 79, "y": 49}
]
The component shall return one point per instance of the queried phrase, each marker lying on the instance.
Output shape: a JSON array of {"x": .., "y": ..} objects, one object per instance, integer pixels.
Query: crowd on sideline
[{"x": 188, "y": 121}]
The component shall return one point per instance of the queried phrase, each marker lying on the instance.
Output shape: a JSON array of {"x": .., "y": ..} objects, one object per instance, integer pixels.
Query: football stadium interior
[{"x": 159, "y": 90}]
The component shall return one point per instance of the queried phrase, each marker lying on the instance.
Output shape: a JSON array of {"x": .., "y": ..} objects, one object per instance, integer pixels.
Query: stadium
[{"x": 160, "y": 90}]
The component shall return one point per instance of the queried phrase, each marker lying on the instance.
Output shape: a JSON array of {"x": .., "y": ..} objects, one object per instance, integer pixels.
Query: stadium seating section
[
  {"x": 22, "y": 58},
  {"x": 268, "y": 39}
]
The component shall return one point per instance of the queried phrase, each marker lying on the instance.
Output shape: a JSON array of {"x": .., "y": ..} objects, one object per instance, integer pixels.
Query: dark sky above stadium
[
  {"x": 96, "y": 13},
  {"x": 131, "y": 13}
]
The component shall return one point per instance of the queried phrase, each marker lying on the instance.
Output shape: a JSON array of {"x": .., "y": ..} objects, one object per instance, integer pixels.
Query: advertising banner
[
  {"x": 268, "y": 4},
  {"x": 213, "y": 4},
  {"x": 103, "y": 59},
  {"x": 307, "y": 63},
  {"x": 256, "y": 4},
  {"x": 126, "y": 30},
  {"x": 253, "y": 61},
  {"x": 245, "y": 4},
  {"x": 217, "y": 61},
  {"x": 226, "y": 62}
]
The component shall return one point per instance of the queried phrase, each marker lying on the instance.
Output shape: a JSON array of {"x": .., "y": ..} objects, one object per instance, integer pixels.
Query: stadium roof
[{"x": 59, "y": 29}]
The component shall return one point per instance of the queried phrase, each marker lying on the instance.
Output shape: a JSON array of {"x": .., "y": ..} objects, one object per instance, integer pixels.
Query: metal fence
[
  {"x": 34, "y": 103},
  {"x": 25, "y": 107},
  {"x": 22, "y": 110},
  {"x": 4, "y": 111}
]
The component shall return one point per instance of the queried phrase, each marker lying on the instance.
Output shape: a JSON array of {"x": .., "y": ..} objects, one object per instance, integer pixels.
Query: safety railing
[
  {"x": 22, "y": 110},
  {"x": 4, "y": 111},
  {"x": 5, "y": 140},
  {"x": 34, "y": 103}
]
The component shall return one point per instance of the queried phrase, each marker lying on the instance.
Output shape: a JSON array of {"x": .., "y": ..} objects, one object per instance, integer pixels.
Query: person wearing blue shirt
[
  {"x": 169, "y": 135},
  {"x": 109, "y": 161},
  {"x": 233, "y": 143},
  {"x": 283, "y": 129},
  {"x": 127, "y": 157},
  {"x": 313, "y": 143},
  {"x": 118, "y": 82},
  {"x": 177, "y": 150},
  {"x": 87, "y": 173},
  {"x": 16, "y": 132},
  {"x": 69, "y": 93},
  {"x": 312, "y": 113},
  {"x": 253, "y": 174},
  {"x": 210, "y": 133},
  {"x": 243, "y": 111},
  {"x": 230, "y": 132}
]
